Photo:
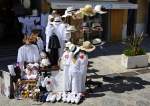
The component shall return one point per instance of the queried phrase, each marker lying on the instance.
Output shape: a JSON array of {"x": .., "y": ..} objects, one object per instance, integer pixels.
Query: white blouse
[{"x": 28, "y": 53}]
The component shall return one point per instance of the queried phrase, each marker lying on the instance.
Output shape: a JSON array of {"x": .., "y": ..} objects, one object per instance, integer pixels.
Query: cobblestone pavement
[{"x": 120, "y": 87}]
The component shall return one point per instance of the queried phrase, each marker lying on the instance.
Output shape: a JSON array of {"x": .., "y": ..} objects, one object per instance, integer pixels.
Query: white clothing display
[
  {"x": 48, "y": 32},
  {"x": 28, "y": 53},
  {"x": 40, "y": 44},
  {"x": 44, "y": 20},
  {"x": 83, "y": 69},
  {"x": 74, "y": 70},
  {"x": 28, "y": 24},
  {"x": 48, "y": 83},
  {"x": 59, "y": 29},
  {"x": 65, "y": 61}
]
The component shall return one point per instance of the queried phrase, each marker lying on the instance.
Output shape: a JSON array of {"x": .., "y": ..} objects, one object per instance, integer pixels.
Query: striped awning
[{"x": 63, "y": 4}]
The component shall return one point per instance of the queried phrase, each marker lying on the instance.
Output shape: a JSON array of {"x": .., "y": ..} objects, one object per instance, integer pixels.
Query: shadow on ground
[
  {"x": 116, "y": 48},
  {"x": 117, "y": 83}
]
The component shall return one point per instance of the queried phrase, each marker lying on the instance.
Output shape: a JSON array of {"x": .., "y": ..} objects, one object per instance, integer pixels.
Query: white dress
[
  {"x": 65, "y": 60},
  {"x": 59, "y": 29},
  {"x": 48, "y": 32},
  {"x": 74, "y": 70},
  {"x": 28, "y": 53},
  {"x": 83, "y": 69}
]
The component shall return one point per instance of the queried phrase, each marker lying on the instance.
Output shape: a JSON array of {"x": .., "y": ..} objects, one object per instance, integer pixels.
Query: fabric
[
  {"x": 74, "y": 70},
  {"x": 83, "y": 69},
  {"x": 44, "y": 21},
  {"x": 28, "y": 53},
  {"x": 48, "y": 32},
  {"x": 53, "y": 56},
  {"x": 40, "y": 44},
  {"x": 48, "y": 83},
  {"x": 54, "y": 42},
  {"x": 59, "y": 29},
  {"x": 66, "y": 59}
]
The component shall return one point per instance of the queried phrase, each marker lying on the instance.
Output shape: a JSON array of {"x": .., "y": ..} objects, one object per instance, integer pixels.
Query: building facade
[{"x": 114, "y": 22}]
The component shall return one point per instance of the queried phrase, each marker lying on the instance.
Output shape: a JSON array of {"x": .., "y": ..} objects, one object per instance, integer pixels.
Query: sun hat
[
  {"x": 70, "y": 9},
  {"x": 74, "y": 49},
  {"x": 71, "y": 28},
  {"x": 87, "y": 46},
  {"x": 96, "y": 25},
  {"x": 96, "y": 41},
  {"x": 87, "y": 10},
  {"x": 67, "y": 44},
  {"x": 98, "y": 9}
]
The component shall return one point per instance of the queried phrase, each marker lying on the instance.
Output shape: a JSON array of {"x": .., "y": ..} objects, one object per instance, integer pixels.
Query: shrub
[{"x": 134, "y": 45}]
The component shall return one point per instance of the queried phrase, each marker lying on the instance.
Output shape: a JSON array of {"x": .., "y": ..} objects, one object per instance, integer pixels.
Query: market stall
[{"x": 59, "y": 72}]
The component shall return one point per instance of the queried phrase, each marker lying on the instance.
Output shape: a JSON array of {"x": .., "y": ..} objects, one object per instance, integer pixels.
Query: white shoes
[
  {"x": 58, "y": 97},
  {"x": 64, "y": 97},
  {"x": 78, "y": 98},
  {"x": 51, "y": 98},
  {"x": 73, "y": 98},
  {"x": 69, "y": 97}
]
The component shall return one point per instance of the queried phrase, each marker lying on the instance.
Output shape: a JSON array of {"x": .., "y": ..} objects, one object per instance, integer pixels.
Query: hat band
[
  {"x": 74, "y": 49},
  {"x": 57, "y": 21}
]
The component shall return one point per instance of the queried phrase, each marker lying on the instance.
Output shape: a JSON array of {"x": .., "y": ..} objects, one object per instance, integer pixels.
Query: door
[
  {"x": 116, "y": 25},
  {"x": 148, "y": 24}
]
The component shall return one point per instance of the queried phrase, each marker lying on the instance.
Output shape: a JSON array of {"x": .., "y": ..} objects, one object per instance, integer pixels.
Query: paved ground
[{"x": 120, "y": 87}]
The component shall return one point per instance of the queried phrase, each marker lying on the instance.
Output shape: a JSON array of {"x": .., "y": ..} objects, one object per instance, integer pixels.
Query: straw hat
[
  {"x": 87, "y": 46},
  {"x": 96, "y": 25},
  {"x": 96, "y": 41},
  {"x": 74, "y": 49},
  {"x": 71, "y": 28},
  {"x": 71, "y": 9},
  {"x": 87, "y": 10},
  {"x": 67, "y": 45},
  {"x": 98, "y": 9}
]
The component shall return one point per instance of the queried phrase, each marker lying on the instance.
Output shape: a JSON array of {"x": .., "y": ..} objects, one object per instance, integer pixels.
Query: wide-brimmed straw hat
[
  {"x": 67, "y": 45},
  {"x": 74, "y": 49},
  {"x": 96, "y": 41},
  {"x": 87, "y": 46},
  {"x": 98, "y": 9},
  {"x": 68, "y": 11},
  {"x": 71, "y": 28},
  {"x": 87, "y": 10}
]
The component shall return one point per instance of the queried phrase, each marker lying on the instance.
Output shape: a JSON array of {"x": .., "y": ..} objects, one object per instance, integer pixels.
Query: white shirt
[{"x": 28, "y": 53}]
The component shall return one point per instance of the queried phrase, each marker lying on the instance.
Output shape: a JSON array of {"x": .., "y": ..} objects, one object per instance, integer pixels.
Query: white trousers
[
  {"x": 67, "y": 81},
  {"x": 75, "y": 82},
  {"x": 83, "y": 80}
]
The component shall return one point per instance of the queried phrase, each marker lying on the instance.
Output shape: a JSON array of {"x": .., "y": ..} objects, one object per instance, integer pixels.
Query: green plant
[{"x": 134, "y": 45}]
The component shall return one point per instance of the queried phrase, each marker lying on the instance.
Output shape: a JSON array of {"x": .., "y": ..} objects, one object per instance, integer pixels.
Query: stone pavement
[{"x": 120, "y": 87}]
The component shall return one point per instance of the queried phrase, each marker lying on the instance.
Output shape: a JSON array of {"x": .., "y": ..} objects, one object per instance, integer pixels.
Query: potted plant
[{"x": 134, "y": 56}]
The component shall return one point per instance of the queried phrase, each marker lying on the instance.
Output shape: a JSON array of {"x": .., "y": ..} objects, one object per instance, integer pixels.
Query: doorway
[{"x": 148, "y": 24}]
